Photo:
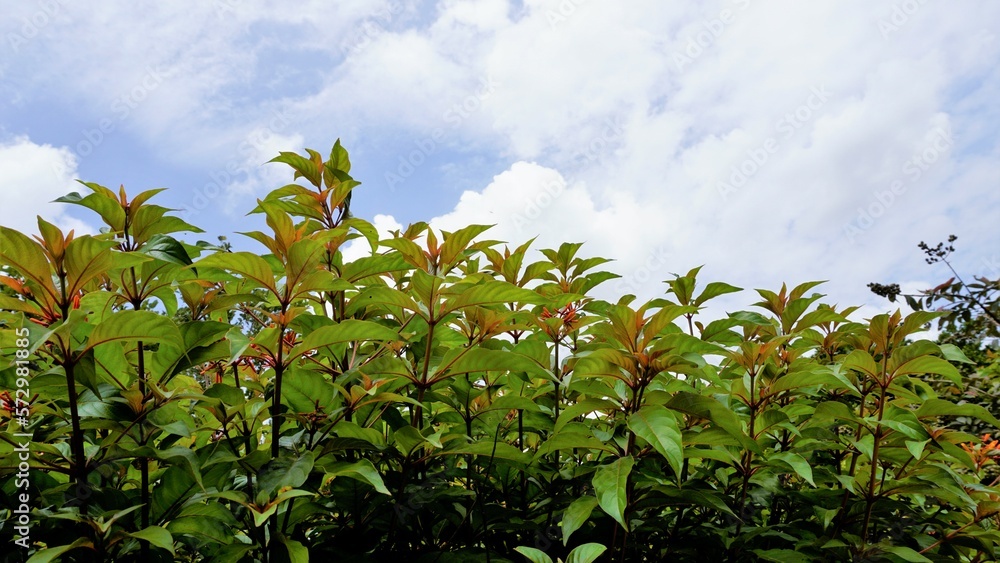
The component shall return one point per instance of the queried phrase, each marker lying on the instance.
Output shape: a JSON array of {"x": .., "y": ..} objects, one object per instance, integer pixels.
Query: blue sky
[{"x": 779, "y": 141}]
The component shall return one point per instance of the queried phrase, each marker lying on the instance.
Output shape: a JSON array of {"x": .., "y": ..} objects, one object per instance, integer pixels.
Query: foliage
[
  {"x": 447, "y": 399},
  {"x": 970, "y": 320}
]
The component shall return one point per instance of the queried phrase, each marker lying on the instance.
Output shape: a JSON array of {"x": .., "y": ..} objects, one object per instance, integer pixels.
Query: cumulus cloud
[
  {"x": 771, "y": 142},
  {"x": 33, "y": 175}
]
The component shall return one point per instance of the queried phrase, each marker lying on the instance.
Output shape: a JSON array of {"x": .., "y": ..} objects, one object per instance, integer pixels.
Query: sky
[{"x": 768, "y": 142}]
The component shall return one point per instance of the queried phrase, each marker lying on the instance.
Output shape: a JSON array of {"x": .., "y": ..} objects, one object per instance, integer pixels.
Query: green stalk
[
  {"x": 870, "y": 500},
  {"x": 748, "y": 455},
  {"x": 69, "y": 365},
  {"x": 417, "y": 418},
  {"x": 279, "y": 370},
  {"x": 76, "y": 439},
  {"x": 143, "y": 461}
]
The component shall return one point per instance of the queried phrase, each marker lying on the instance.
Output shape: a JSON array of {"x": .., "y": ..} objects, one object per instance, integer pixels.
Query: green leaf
[
  {"x": 102, "y": 201},
  {"x": 817, "y": 317},
  {"x": 297, "y": 553},
  {"x": 181, "y": 454},
  {"x": 458, "y": 241},
  {"x": 576, "y": 515},
  {"x": 500, "y": 450},
  {"x": 143, "y": 197},
  {"x": 350, "y": 330},
  {"x": 157, "y": 536},
  {"x": 168, "y": 249},
  {"x": 940, "y": 407},
  {"x": 362, "y": 470},
  {"x": 232, "y": 553},
  {"x": 811, "y": 377},
  {"x": 491, "y": 293},
  {"x": 533, "y": 555},
  {"x": 482, "y": 360},
  {"x": 581, "y": 408},
  {"x": 929, "y": 364},
  {"x": 50, "y": 554},
  {"x": 906, "y": 554},
  {"x": 782, "y": 556},
  {"x": 195, "y": 338},
  {"x": 916, "y": 448},
  {"x": 715, "y": 289},
  {"x": 656, "y": 425},
  {"x": 707, "y": 407},
  {"x": 134, "y": 325},
  {"x": 797, "y": 463},
  {"x": 385, "y": 296},
  {"x": 585, "y": 553},
  {"x": 86, "y": 259},
  {"x": 307, "y": 391},
  {"x": 26, "y": 256},
  {"x": 860, "y": 360},
  {"x": 339, "y": 158},
  {"x": 513, "y": 402},
  {"x": 173, "y": 488},
  {"x": 287, "y": 471},
  {"x": 201, "y": 527},
  {"x": 953, "y": 353},
  {"x": 707, "y": 498},
  {"x": 410, "y": 251},
  {"x": 568, "y": 440},
  {"x": 610, "y": 484},
  {"x": 374, "y": 266},
  {"x": 260, "y": 517},
  {"x": 303, "y": 167},
  {"x": 8, "y": 303},
  {"x": 250, "y": 266}
]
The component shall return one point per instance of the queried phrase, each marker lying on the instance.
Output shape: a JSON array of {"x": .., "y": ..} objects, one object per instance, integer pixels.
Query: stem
[
  {"x": 520, "y": 446},
  {"x": 143, "y": 461},
  {"x": 279, "y": 369},
  {"x": 76, "y": 440},
  {"x": 69, "y": 364},
  {"x": 985, "y": 309},
  {"x": 557, "y": 373},
  {"x": 842, "y": 515},
  {"x": 951, "y": 535},
  {"x": 418, "y": 412},
  {"x": 748, "y": 455},
  {"x": 870, "y": 499}
]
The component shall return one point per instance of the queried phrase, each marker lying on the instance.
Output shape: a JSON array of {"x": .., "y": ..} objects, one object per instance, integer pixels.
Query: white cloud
[
  {"x": 32, "y": 176},
  {"x": 639, "y": 109}
]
